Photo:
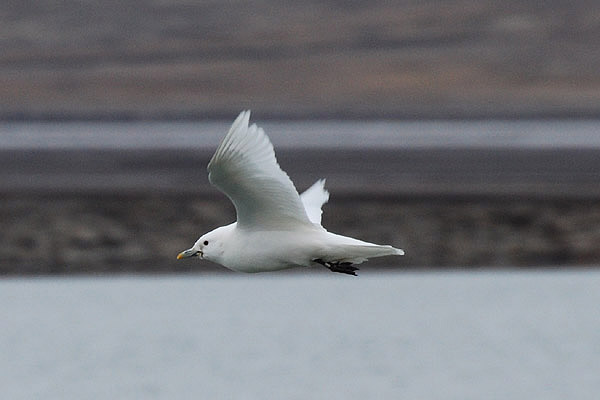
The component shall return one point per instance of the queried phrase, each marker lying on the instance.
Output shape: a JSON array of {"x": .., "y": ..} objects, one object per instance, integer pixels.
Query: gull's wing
[
  {"x": 245, "y": 169},
  {"x": 313, "y": 199}
]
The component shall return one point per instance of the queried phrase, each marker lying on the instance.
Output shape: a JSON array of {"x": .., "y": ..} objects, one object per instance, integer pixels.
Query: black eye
[{"x": 206, "y": 242}]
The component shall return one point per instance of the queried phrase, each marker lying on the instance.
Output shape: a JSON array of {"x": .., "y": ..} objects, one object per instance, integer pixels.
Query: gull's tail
[
  {"x": 342, "y": 258},
  {"x": 337, "y": 249},
  {"x": 359, "y": 253}
]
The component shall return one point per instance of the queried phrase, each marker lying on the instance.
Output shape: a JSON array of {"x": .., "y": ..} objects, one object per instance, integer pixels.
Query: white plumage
[
  {"x": 276, "y": 227},
  {"x": 313, "y": 199}
]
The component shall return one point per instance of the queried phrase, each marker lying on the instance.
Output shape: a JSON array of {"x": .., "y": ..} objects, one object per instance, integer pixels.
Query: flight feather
[{"x": 244, "y": 167}]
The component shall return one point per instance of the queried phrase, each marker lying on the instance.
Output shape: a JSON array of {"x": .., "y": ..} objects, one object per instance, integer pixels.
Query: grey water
[
  {"x": 306, "y": 134},
  {"x": 533, "y": 158},
  {"x": 459, "y": 335}
]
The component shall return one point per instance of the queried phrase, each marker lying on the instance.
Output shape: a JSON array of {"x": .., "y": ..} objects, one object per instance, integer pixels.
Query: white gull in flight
[{"x": 276, "y": 227}]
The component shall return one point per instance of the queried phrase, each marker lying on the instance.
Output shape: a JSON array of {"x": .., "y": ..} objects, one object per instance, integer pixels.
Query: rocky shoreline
[
  {"x": 76, "y": 233},
  {"x": 122, "y": 211}
]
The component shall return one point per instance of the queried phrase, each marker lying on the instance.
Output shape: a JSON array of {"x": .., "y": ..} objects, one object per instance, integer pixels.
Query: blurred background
[
  {"x": 301, "y": 59},
  {"x": 465, "y": 132}
]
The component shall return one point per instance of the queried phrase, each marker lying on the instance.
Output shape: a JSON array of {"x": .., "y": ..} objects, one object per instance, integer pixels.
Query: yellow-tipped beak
[{"x": 188, "y": 253}]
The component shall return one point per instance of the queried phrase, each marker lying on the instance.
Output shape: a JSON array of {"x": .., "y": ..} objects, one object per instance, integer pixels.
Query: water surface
[
  {"x": 488, "y": 335},
  {"x": 307, "y": 134}
]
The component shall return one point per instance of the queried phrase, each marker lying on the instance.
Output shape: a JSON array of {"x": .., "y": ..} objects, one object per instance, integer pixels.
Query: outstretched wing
[
  {"x": 313, "y": 199},
  {"x": 244, "y": 167}
]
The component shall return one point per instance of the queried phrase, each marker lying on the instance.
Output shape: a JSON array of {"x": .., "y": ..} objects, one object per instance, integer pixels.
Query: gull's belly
[{"x": 270, "y": 251}]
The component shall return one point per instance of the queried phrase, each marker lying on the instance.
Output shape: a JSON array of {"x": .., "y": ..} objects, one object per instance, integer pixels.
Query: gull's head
[{"x": 209, "y": 246}]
